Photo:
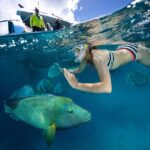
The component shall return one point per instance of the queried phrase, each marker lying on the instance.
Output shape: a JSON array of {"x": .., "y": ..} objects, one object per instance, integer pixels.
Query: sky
[
  {"x": 71, "y": 10},
  {"x": 88, "y": 9}
]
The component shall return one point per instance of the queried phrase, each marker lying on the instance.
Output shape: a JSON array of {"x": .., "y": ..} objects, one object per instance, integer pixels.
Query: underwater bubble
[
  {"x": 23, "y": 41},
  {"x": 134, "y": 6},
  {"x": 44, "y": 86},
  {"x": 59, "y": 88},
  {"x": 129, "y": 6},
  {"x": 144, "y": 22},
  {"x": 3, "y": 45},
  {"x": 136, "y": 1},
  {"x": 146, "y": 2},
  {"x": 25, "y": 91},
  {"x": 137, "y": 78},
  {"x": 133, "y": 2},
  {"x": 133, "y": 20},
  {"x": 54, "y": 71}
]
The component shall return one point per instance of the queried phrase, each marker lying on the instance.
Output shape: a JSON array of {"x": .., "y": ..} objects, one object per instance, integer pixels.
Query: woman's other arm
[{"x": 80, "y": 68}]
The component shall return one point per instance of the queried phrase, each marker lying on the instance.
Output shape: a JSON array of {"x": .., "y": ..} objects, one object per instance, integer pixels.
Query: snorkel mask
[{"x": 80, "y": 52}]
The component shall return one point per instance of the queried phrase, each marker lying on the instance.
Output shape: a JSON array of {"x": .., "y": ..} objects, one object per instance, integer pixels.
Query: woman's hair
[{"x": 91, "y": 47}]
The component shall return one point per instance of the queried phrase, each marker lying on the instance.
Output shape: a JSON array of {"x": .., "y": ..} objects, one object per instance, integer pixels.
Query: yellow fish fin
[{"x": 49, "y": 134}]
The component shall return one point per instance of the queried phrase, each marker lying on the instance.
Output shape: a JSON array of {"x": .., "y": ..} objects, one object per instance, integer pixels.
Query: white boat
[{"x": 20, "y": 23}]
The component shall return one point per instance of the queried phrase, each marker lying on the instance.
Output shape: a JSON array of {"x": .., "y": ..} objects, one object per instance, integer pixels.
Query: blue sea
[{"x": 120, "y": 120}]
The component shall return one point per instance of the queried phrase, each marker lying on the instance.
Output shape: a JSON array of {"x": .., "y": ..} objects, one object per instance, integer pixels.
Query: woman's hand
[{"x": 70, "y": 78}]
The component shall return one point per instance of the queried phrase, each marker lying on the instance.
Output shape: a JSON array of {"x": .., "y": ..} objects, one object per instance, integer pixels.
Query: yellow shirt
[{"x": 36, "y": 21}]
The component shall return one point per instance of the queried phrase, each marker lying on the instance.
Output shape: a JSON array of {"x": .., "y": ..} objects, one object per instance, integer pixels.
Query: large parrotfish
[{"x": 47, "y": 112}]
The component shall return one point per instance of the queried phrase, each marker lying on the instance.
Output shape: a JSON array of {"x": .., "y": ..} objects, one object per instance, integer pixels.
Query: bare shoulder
[
  {"x": 99, "y": 55},
  {"x": 100, "y": 52}
]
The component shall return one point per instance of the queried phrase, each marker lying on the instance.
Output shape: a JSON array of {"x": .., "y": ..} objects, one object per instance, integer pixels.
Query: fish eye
[{"x": 70, "y": 110}]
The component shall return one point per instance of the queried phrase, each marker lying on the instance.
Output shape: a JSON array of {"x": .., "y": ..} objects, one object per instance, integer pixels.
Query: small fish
[
  {"x": 137, "y": 78},
  {"x": 59, "y": 88},
  {"x": 44, "y": 86},
  {"x": 25, "y": 91},
  {"x": 54, "y": 71}
]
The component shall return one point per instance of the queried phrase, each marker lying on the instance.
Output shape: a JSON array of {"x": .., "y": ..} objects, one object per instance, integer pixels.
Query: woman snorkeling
[{"x": 104, "y": 60}]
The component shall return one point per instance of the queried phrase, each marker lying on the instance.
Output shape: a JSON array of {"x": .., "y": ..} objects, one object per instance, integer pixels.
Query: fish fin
[
  {"x": 49, "y": 134},
  {"x": 10, "y": 111},
  {"x": 24, "y": 97},
  {"x": 18, "y": 98},
  {"x": 7, "y": 109}
]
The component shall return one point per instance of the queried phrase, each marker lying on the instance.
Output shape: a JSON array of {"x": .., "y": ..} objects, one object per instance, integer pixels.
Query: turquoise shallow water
[{"x": 120, "y": 120}]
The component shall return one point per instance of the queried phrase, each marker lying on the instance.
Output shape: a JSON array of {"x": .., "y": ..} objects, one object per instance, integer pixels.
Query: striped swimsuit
[{"x": 132, "y": 48}]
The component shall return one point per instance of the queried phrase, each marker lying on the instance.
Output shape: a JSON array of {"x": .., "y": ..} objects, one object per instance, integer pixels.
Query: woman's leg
[{"x": 144, "y": 55}]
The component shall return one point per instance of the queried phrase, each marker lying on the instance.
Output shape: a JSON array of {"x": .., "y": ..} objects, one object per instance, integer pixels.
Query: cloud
[
  {"x": 63, "y": 8},
  {"x": 80, "y": 8}
]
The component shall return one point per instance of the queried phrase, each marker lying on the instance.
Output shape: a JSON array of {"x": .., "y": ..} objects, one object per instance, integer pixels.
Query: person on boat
[
  {"x": 104, "y": 60},
  {"x": 37, "y": 22},
  {"x": 57, "y": 25}
]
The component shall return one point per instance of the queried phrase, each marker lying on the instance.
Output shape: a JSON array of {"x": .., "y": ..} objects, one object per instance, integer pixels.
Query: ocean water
[{"x": 120, "y": 120}]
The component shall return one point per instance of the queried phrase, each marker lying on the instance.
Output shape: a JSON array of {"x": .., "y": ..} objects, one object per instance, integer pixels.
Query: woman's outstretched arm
[{"x": 103, "y": 86}]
